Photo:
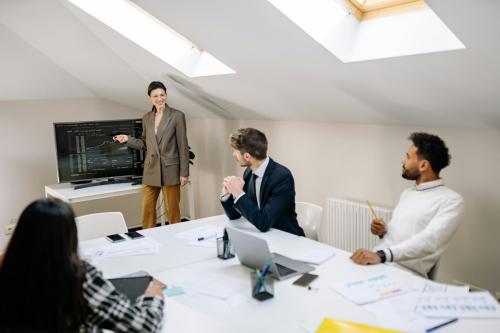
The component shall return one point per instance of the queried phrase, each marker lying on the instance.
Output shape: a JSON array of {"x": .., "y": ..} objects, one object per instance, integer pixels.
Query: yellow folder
[{"x": 329, "y": 325}]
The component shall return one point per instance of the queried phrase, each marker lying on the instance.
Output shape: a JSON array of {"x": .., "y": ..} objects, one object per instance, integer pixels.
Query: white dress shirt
[{"x": 422, "y": 224}]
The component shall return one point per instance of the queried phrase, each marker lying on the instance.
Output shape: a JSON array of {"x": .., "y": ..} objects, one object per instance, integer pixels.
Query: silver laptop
[{"x": 254, "y": 252}]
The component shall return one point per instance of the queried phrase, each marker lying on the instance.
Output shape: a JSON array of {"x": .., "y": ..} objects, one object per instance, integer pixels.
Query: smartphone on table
[
  {"x": 115, "y": 238},
  {"x": 134, "y": 235},
  {"x": 305, "y": 279}
]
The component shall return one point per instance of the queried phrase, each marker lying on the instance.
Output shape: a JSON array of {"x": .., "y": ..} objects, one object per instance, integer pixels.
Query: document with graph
[{"x": 373, "y": 288}]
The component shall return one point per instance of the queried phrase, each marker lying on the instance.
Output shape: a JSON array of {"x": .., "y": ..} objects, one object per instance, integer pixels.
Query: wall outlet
[{"x": 9, "y": 228}]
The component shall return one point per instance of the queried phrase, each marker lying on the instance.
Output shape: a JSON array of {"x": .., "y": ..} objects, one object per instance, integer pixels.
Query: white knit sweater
[{"x": 422, "y": 224}]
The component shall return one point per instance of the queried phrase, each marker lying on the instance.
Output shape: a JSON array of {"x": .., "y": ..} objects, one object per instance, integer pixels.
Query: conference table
[{"x": 217, "y": 294}]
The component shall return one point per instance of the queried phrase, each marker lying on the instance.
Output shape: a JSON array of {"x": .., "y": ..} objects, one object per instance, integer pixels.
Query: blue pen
[
  {"x": 441, "y": 325},
  {"x": 267, "y": 266},
  {"x": 259, "y": 282}
]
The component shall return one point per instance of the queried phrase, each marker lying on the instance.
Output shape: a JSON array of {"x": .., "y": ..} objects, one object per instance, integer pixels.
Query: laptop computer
[{"x": 254, "y": 252}]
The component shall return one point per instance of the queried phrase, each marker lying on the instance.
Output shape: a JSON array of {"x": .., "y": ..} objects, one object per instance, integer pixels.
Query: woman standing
[
  {"x": 166, "y": 166},
  {"x": 46, "y": 287}
]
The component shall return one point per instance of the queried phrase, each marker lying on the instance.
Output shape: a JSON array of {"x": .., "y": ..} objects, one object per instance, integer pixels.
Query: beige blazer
[{"x": 167, "y": 153}]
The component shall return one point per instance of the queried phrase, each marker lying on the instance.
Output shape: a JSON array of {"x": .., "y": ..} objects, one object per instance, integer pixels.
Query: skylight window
[
  {"x": 153, "y": 35},
  {"x": 358, "y": 30},
  {"x": 369, "y": 5}
]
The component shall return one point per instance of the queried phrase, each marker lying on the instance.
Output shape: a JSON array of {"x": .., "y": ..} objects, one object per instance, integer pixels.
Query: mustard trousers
[{"x": 171, "y": 198}]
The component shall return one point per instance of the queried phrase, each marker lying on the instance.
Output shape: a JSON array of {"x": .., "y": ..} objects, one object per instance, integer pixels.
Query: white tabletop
[{"x": 293, "y": 309}]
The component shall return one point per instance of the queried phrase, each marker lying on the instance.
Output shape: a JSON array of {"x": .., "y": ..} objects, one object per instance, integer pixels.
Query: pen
[
  {"x": 373, "y": 210},
  {"x": 206, "y": 237},
  {"x": 225, "y": 244},
  {"x": 258, "y": 283},
  {"x": 266, "y": 267},
  {"x": 441, "y": 325}
]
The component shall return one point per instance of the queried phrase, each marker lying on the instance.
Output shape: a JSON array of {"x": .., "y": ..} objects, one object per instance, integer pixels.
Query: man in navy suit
[{"x": 265, "y": 195}]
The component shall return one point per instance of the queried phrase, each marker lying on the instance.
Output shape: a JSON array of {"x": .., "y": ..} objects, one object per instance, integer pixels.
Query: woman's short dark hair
[
  {"x": 156, "y": 85},
  {"x": 41, "y": 275},
  {"x": 249, "y": 140},
  {"x": 431, "y": 148}
]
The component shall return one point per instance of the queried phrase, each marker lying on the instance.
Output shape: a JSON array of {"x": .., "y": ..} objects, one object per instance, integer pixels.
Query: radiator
[{"x": 348, "y": 224}]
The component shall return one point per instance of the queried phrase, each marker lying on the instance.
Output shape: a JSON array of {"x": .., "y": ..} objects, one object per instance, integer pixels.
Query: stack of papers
[
  {"x": 135, "y": 247},
  {"x": 430, "y": 307},
  {"x": 399, "y": 313},
  {"x": 372, "y": 289}
]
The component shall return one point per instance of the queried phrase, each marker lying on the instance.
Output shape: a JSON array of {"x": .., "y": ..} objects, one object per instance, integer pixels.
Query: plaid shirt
[{"x": 109, "y": 309}]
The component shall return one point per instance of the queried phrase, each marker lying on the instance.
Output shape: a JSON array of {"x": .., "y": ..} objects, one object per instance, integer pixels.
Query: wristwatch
[{"x": 381, "y": 255}]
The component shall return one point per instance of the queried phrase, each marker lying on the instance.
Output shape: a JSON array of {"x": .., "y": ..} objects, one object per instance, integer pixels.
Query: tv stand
[
  {"x": 109, "y": 181},
  {"x": 67, "y": 193},
  {"x": 77, "y": 182}
]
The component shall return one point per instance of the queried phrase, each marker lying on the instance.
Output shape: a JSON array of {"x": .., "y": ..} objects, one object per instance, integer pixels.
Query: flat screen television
[{"x": 86, "y": 150}]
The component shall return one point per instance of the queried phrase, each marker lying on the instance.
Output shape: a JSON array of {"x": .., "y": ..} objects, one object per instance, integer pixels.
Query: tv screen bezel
[{"x": 92, "y": 178}]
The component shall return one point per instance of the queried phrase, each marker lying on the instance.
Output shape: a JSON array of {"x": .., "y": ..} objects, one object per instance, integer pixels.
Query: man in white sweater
[{"x": 427, "y": 215}]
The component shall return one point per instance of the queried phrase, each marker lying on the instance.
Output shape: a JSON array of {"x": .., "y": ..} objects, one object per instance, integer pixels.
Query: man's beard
[
  {"x": 407, "y": 174},
  {"x": 245, "y": 164}
]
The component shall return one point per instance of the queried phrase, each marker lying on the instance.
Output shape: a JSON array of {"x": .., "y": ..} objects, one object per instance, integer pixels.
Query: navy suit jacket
[{"x": 277, "y": 201}]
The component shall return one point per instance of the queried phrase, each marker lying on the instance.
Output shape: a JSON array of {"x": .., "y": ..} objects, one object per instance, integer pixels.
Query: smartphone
[
  {"x": 134, "y": 235},
  {"x": 305, "y": 279},
  {"x": 114, "y": 238}
]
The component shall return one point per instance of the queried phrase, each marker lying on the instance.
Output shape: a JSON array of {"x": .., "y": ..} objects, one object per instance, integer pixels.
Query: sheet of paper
[
  {"x": 92, "y": 255},
  {"x": 195, "y": 320},
  {"x": 436, "y": 287},
  {"x": 214, "y": 293},
  {"x": 372, "y": 289},
  {"x": 316, "y": 256},
  {"x": 210, "y": 242},
  {"x": 471, "y": 305},
  {"x": 208, "y": 231}
]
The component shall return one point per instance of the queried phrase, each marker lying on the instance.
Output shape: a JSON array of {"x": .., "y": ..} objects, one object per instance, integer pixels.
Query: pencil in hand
[{"x": 374, "y": 213}]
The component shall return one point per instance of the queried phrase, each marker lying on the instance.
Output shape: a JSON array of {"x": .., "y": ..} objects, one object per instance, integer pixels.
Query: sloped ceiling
[
  {"x": 281, "y": 72},
  {"x": 27, "y": 74}
]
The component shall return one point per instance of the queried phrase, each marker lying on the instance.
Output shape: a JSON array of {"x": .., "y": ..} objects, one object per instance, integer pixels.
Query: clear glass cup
[
  {"x": 224, "y": 248},
  {"x": 262, "y": 288}
]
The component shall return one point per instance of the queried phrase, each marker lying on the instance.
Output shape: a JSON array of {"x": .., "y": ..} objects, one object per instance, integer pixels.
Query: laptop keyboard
[{"x": 284, "y": 271}]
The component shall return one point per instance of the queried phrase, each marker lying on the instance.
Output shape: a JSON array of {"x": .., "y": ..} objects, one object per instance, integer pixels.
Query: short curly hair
[
  {"x": 431, "y": 148},
  {"x": 249, "y": 140}
]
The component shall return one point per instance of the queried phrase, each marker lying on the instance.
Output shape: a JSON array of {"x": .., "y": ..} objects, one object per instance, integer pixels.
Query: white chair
[
  {"x": 100, "y": 224},
  {"x": 432, "y": 274},
  {"x": 309, "y": 217}
]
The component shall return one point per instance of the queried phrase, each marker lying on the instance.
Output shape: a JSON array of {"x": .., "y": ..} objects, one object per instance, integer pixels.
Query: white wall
[{"x": 28, "y": 159}]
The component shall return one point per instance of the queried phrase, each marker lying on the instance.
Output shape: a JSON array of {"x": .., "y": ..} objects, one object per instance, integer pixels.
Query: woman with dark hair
[
  {"x": 46, "y": 287},
  {"x": 166, "y": 166}
]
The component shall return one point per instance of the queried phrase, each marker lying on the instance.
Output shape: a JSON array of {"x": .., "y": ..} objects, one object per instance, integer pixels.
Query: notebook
[
  {"x": 132, "y": 287},
  {"x": 330, "y": 325}
]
